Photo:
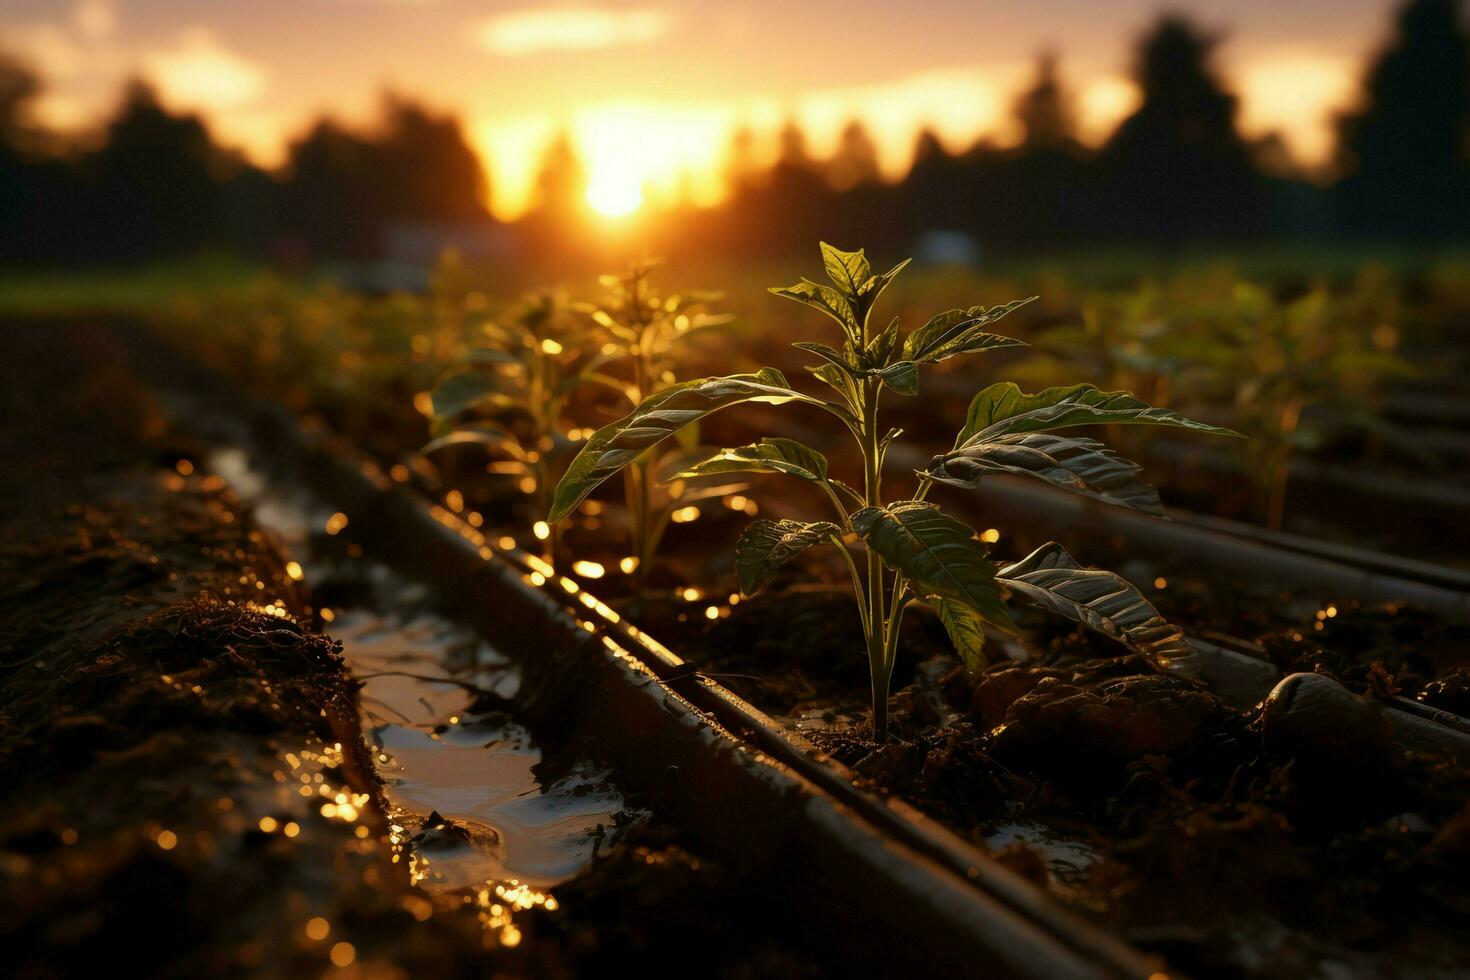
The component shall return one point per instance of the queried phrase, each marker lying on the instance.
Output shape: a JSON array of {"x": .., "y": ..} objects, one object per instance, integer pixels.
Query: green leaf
[
  {"x": 460, "y": 392},
  {"x": 489, "y": 435},
  {"x": 765, "y": 546},
  {"x": 849, "y": 271},
  {"x": 833, "y": 378},
  {"x": 881, "y": 347},
  {"x": 880, "y": 283},
  {"x": 767, "y": 456},
  {"x": 1003, "y": 409},
  {"x": 1100, "y": 600},
  {"x": 966, "y": 631},
  {"x": 901, "y": 376},
  {"x": 826, "y": 299},
  {"x": 939, "y": 555},
  {"x": 1073, "y": 463},
  {"x": 661, "y": 415},
  {"x": 971, "y": 342},
  {"x": 832, "y": 356},
  {"x": 959, "y": 332}
]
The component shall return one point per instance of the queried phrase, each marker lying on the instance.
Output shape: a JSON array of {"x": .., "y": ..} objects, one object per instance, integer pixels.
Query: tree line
[{"x": 1176, "y": 170}]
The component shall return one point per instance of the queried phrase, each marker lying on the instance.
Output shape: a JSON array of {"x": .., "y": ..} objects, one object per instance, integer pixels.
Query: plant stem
[
  {"x": 638, "y": 489},
  {"x": 1280, "y": 468},
  {"x": 890, "y": 646},
  {"x": 857, "y": 581},
  {"x": 877, "y": 619},
  {"x": 636, "y": 484}
]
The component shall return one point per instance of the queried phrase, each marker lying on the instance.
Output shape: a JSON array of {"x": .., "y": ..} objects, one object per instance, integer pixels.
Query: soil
[
  {"x": 1233, "y": 842},
  {"x": 167, "y": 709}
]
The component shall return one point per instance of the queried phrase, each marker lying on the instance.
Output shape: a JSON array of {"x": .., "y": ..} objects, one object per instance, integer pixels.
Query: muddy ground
[
  {"x": 170, "y": 723},
  {"x": 1283, "y": 841}
]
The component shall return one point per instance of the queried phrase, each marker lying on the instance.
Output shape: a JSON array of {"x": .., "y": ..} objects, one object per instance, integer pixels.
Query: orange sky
[{"x": 651, "y": 91}]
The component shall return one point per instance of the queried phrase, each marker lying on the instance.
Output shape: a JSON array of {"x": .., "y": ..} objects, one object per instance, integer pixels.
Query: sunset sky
[{"x": 652, "y": 89}]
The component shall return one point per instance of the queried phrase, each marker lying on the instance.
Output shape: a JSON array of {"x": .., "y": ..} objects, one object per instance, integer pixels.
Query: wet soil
[
  {"x": 1229, "y": 841},
  {"x": 1257, "y": 842},
  {"x": 184, "y": 786}
]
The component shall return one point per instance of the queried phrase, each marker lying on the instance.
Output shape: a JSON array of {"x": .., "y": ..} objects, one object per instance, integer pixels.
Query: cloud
[
  {"x": 198, "y": 73},
  {"x": 528, "y": 32}
]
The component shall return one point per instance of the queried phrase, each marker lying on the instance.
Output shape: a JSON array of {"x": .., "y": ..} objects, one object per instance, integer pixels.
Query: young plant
[
  {"x": 510, "y": 398},
  {"x": 910, "y": 551},
  {"x": 1292, "y": 374},
  {"x": 1121, "y": 338},
  {"x": 643, "y": 328}
]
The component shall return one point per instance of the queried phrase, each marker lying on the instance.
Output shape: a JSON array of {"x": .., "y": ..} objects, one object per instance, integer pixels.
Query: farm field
[{"x": 990, "y": 518}]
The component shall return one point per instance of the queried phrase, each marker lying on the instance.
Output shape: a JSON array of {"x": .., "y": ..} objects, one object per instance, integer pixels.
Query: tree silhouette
[
  {"x": 741, "y": 170},
  {"x": 934, "y": 188},
  {"x": 856, "y": 161},
  {"x": 1404, "y": 150},
  {"x": 429, "y": 170},
  {"x": 1045, "y": 112},
  {"x": 28, "y": 186},
  {"x": 158, "y": 181},
  {"x": 554, "y": 227},
  {"x": 1045, "y": 185},
  {"x": 19, "y": 86},
  {"x": 561, "y": 183},
  {"x": 794, "y": 153},
  {"x": 346, "y": 189},
  {"x": 1178, "y": 168},
  {"x": 330, "y": 198}
]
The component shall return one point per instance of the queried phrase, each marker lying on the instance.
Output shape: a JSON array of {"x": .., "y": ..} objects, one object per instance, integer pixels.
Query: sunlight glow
[
  {"x": 1298, "y": 94},
  {"x": 532, "y": 31},
  {"x": 199, "y": 73},
  {"x": 641, "y": 154},
  {"x": 614, "y": 191}
]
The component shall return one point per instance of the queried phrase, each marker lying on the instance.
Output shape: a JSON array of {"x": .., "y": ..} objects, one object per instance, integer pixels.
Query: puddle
[
  {"x": 1068, "y": 862},
  {"x": 473, "y": 804}
]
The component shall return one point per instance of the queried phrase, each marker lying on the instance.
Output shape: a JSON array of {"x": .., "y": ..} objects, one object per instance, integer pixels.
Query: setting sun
[{"x": 614, "y": 191}]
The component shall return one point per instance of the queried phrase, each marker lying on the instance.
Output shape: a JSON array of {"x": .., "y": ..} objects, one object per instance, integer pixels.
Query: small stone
[{"x": 1326, "y": 728}]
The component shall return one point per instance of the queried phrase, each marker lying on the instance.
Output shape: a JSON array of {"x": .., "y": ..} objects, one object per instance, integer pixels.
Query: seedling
[
  {"x": 643, "y": 328},
  {"x": 910, "y": 550},
  {"x": 511, "y": 396},
  {"x": 1290, "y": 372}
]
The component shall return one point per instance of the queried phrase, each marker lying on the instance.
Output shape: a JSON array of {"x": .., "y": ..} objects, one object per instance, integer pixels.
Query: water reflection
[{"x": 473, "y": 806}]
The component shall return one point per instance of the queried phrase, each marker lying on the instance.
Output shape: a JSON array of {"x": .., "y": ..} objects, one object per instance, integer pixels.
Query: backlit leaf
[
  {"x": 765, "y": 546},
  {"x": 1073, "y": 463},
  {"x": 832, "y": 356},
  {"x": 958, "y": 332},
  {"x": 881, "y": 347},
  {"x": 1100, "y": 600},
  {"x": 489, "y": 435},
  {"x": 849, "y": 271},
  {"x": 1003, "y": 409},
  {"x": 659, "y": 416},
  {"x": 767, "y": 456},
  {"x": 459, "y": 392},
  {"x": 902, "y": 377},
  {"x": 939, "y": 555},
  {"x": 826, "y": 299},
  {"x": 966, "y": 631}
]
